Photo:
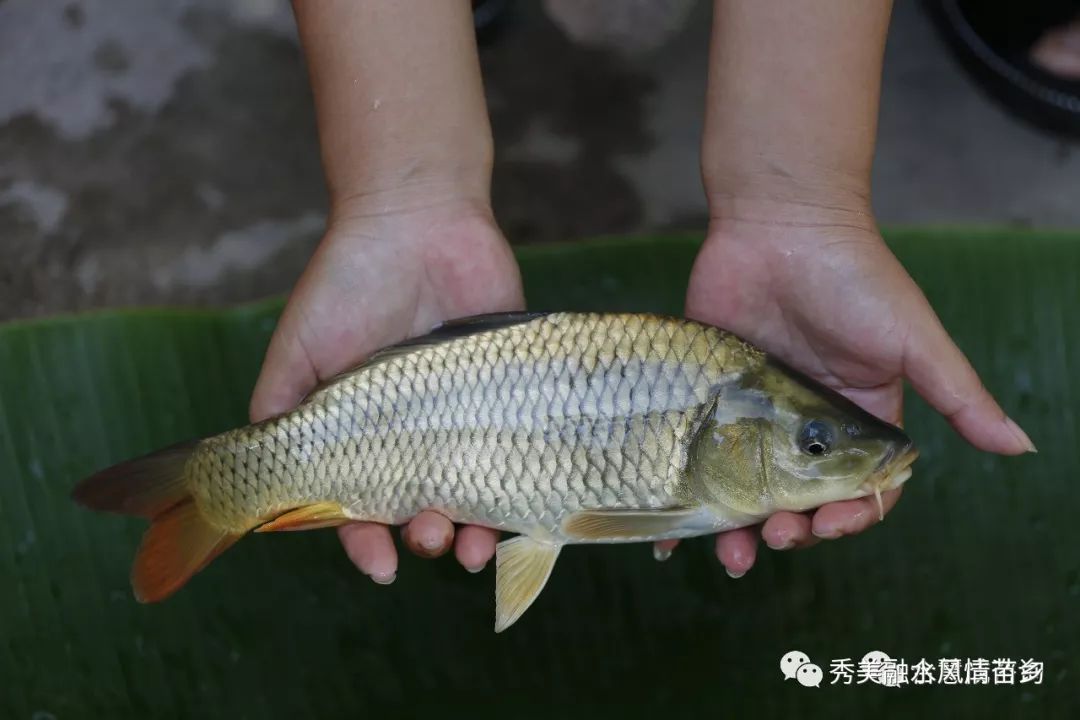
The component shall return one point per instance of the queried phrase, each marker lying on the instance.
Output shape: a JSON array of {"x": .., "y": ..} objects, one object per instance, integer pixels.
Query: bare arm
[
  {"x": 792, "y": 100},
  {"x": 398, "y": 96}
]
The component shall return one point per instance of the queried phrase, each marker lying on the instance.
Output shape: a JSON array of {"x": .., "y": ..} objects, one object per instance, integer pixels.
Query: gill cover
[{"x": 773, "y": 439}]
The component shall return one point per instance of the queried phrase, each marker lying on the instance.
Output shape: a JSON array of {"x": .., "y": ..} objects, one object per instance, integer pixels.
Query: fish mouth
[{"x": 892, "y": 472}]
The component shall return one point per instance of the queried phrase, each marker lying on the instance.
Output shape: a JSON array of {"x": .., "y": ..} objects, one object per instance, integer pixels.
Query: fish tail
[
  {"x": 178, "y": 544},
  {"x": 180, "y": 541}
]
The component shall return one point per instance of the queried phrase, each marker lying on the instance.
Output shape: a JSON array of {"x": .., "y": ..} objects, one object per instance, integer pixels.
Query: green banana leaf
[{"x": 981, "y": 559}]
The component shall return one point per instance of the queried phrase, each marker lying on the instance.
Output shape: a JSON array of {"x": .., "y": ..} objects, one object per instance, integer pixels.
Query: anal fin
[
  {"x": 309, "y": 517},
  {"x": 522, "y": 569},
  {"x": 644, "y": 524}
]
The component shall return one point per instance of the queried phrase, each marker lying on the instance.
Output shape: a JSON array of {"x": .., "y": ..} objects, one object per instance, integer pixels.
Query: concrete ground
[{"x": 161, "y": 151}]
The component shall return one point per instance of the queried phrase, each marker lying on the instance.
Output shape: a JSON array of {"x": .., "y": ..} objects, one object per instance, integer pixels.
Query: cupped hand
[
  {"x": 822, "y": 291},
  {"x": 377, "y": 277}
]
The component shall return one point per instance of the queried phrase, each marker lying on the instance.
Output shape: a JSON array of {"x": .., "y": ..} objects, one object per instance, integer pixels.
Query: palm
[
  {"x": 833, "y": 301},
  {"x": 374, "y": 281},
  {"x": 838, "y": 308}
]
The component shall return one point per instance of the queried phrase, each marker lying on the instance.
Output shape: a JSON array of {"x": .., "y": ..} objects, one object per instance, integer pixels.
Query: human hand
[
  {"x": 377, "y": 277},
  {"x": 820, "y": 289}
]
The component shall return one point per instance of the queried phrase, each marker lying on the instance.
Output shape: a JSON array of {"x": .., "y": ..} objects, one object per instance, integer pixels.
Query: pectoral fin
[
  {"x": 309, "y": 517},
  {"x": 647, "y": 524},
  {"x": 522, "y": 568}
]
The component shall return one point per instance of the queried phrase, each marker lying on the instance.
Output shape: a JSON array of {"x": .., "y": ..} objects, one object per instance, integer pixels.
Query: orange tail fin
[{"x": 180, "y": 542}]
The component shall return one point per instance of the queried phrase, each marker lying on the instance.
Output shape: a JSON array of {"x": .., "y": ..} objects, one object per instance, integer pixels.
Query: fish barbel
[{"x": 562, "y": 428}]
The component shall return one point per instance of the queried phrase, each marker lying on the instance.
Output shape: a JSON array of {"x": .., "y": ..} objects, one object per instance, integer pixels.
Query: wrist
[
  {"x": 414, "y": 220},
  {"x": 460, "y": 189},
  {"x": 787, "y": 206},
  {"x": 748, "y": 175},
  {"x": 779, "y": 231},
  {"x": 415, "y": 169}
]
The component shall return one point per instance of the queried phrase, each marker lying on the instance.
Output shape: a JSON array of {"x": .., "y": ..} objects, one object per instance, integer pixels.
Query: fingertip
[
  {"x": 1021, "y": 437},
  {"x": 429, "y": 534},
  {"x": 662, "y": 549},
  {"x": 287, "y": 373},
  {"x": 275, "y": 393},
  {"x": 263, "y": 404},
  {"x": 475, "y": 546},
  {"x": 992, "y": 432},
  {"x": 737, "y": 550},
  {"x": 371, "y": 549},
  {"x": 942, "y": 375},
  {"x": 787, "y": 530}
]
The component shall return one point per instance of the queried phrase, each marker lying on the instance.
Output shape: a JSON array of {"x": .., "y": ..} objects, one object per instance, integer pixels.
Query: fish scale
[
  {"x": 563, "y": 428},
  {"x": 560, "y": 413}
]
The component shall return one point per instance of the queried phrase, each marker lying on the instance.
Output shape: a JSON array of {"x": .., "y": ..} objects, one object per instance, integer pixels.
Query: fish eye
[{"x": 816, "y": 438}]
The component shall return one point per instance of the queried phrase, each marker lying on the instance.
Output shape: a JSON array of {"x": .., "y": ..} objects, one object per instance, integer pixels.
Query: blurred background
[
  {"x": 159, "y": 152},
  {"x": 164, "y": 151}
]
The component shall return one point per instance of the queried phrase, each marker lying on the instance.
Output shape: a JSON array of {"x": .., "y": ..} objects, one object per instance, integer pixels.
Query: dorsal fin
[{"x": 447, "y": 331}]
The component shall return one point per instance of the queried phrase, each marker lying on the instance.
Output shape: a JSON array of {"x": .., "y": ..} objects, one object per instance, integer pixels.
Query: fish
[{"x": 558, "y": 428}]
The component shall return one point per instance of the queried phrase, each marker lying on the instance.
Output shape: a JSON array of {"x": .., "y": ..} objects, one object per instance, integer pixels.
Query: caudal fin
[
  {"x": 146, "y": 486},
  {"x": 179, "y": 542}
]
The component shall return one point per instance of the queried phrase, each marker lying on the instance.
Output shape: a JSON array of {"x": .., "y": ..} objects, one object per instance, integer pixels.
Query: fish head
[{"x": 777, "y": 440}]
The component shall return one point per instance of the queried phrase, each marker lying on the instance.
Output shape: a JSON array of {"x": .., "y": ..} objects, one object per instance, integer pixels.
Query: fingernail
[
  {"x": 787, "y": 544},
  {"x": 828, "y": 534},
  {"x": 475, "y": 568},
  {"x": 734, "y": 575},
  {"x": 1020, "y": 435},
  {"x": 383, "y": 578},
  {"x": 661, "y": 554}
]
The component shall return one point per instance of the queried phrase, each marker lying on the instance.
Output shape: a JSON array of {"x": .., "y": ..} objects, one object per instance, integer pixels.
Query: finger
[
  {"x": 287, "y": 372},
  {"x": 475, "y": 546},
  {"x": 429, "y": 534},
  {"x": 851, "y": 517},
  {"x": 371, "y": 549},
  {"x": 942, "y": 375},
  {"x": 787, "y": 531},
  {"x": 883, "y": 401},
  {"x": 662, "y": 549},
  {"x": 736, "y": 550},
  {"x": 319, "y": 333}
]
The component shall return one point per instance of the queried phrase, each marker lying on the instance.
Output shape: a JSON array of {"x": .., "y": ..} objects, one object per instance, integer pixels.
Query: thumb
[
  {"x": 288, "y": 372},
  {"x": 942, "y": 375}
]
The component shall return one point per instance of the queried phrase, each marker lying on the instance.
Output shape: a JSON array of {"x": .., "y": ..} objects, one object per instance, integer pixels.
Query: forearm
[
  {"x": 792, "y": 103},
  {"x": 398, "y": 98}
]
